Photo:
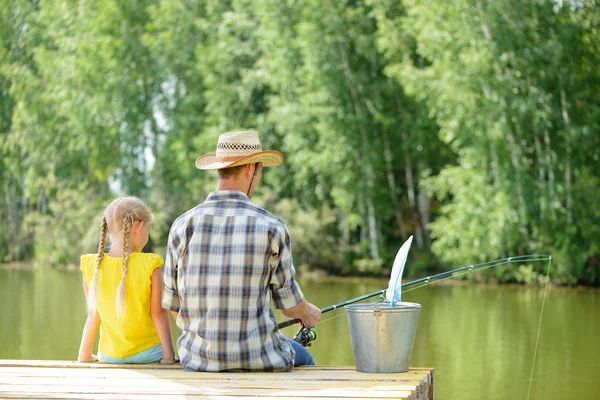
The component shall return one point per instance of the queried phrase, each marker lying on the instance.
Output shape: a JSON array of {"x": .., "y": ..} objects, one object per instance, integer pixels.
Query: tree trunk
[
  {"x": 410, "y": 186},
  {"x": 550, "y": 172},
  {"x": 514, "y": 157},
  {"x": 373, "y": 234},
  {"x": 344, "y": 241},
  {"x": 495, "y": 164},
  {"x": 387, "y": 154},
  {"x": 423, "y": 201},
  {"x": 362, "y": 212},
  {"x": 568, "y": 183},
  {"x": 370, "y": 176},
  {"x": 541, "y": 177}
]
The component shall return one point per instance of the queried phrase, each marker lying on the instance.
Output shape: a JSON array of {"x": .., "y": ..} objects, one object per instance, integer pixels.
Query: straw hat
[{"x": 239, "y": 148}]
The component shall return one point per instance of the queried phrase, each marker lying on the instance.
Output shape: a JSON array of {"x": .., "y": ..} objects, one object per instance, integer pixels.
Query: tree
[{"x": 495, "y": 81}]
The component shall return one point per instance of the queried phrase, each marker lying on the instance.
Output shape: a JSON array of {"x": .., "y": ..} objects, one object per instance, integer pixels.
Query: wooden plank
[
  {"x": 316, "y": 380},
  {"x": 99, "y": 365},
  {"x": 108, "y": 386},
  {"x": 103, "y": 396},
  {"x": 257, "y": 387},
  {"x": 67, "y": 379},
  {"x": 298, "y": 374},
  {"x": 196, "y": 383},
  {"x": 333, "y": 393}
]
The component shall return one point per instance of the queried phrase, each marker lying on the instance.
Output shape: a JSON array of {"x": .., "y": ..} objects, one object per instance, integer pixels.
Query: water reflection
[{"x": 479, "y": 339}]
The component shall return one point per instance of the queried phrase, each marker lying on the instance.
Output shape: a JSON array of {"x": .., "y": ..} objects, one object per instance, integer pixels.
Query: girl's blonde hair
[{"x": 118, "y": 217}]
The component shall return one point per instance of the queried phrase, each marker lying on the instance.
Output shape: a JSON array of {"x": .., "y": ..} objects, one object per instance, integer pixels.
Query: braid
[
  {"x": 92, "y": 297},
  {"x": 127, "y": 223}
]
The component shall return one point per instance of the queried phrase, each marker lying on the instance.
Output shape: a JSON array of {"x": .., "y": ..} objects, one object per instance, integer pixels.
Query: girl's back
[
  {"x": 123, "y": 290},
  {"x": 136, "y": 331}
]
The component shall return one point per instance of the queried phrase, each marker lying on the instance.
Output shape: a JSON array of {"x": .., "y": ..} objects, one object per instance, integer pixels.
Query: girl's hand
[
  {"x": 169, "y": 361},
  {"x": 90, "y": 358}
]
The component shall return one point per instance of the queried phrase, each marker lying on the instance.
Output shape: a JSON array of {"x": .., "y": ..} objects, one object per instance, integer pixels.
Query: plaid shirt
[{"x": 225, "y": 259}]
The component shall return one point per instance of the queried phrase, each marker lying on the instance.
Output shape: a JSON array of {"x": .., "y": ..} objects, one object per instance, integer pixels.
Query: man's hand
[
  {"x": 307, "y": 313},
  {"x": 312, "y": 316}
]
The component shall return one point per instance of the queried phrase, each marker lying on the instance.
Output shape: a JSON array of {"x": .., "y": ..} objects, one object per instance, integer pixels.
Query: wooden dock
[{"x": 22, "y": 379}]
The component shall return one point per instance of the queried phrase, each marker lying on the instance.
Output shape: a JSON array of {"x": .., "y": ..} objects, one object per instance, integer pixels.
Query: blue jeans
[
  {"x": 151, "y": 355},
  {"x": 303, "y": 357}
]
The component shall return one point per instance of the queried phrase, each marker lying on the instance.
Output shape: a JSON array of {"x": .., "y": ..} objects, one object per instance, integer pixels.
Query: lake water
[{"x": 479, "y": 339}]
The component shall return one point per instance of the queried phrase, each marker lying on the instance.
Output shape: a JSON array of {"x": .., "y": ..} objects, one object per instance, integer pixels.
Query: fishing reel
[{"x": 305, "y": 336}]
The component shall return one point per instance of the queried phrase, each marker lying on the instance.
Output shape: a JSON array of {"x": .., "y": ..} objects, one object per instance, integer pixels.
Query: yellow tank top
[{"x": 136, "y": 332}]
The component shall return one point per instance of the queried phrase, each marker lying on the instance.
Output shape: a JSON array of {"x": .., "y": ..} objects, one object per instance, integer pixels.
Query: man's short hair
[{"x": 231, "y": 172}]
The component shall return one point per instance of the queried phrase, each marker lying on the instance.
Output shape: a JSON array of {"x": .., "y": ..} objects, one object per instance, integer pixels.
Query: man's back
[{"x": 225, "y": 259}]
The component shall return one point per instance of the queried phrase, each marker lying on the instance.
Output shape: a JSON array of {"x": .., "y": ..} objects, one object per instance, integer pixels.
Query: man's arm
[
  {"x": 286, "y": 292},
  {"x": 170, "y": 295}
]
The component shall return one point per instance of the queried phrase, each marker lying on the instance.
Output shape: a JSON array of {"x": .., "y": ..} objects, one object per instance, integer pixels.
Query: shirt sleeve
[
  {"x": 170, "y": 299},
  {"x": 154, "y": 261},
  {"x": 285, "y": 290}
]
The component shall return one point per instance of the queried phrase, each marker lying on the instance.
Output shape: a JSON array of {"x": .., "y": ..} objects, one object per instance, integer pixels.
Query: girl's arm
[
  {"x": 160, "y": 317},
  {"x": 89, "y": 334}
]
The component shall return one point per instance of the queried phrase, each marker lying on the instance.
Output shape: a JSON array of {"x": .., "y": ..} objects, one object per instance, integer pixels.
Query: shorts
[{"x": 151, "y": 355}]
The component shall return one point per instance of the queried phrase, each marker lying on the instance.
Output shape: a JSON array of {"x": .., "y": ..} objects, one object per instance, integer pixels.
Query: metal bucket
[{"x": 382, "y": 336}]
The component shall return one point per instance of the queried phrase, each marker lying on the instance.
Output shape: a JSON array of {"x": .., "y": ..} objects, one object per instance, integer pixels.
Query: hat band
[{"x": 238, "y": 146}]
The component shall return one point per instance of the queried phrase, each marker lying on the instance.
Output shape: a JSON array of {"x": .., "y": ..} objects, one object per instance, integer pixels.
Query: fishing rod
[{"x": 305, "y": 335}]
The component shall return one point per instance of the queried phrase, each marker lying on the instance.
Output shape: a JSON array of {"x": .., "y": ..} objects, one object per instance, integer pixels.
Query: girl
[{"x": 123, "y": 290}]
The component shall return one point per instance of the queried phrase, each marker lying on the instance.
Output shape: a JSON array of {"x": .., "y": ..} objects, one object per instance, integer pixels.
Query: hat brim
[{"x": 269, "y": 158}]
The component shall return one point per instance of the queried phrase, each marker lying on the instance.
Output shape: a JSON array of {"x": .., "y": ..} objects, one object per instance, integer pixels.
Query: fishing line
[
  {"x": 328, "y": 319},
  {"x": 537, "y": 340}
]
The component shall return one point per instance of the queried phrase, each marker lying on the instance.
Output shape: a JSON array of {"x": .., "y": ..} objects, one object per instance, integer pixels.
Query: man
[{"x": 226, "y": 258}]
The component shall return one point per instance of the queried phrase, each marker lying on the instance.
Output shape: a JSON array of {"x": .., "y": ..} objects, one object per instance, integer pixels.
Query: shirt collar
[{"x": 227, "y": 195}]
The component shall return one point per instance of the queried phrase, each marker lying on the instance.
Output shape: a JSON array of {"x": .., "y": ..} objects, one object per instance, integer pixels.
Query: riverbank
[
  {"x": 28, "y": 266},
  {"x": 320, "y": 276}
]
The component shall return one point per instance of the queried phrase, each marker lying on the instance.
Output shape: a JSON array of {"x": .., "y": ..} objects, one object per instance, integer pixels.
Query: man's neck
[
  {"x": 232, "y": 184},
  {"x": 241, "y": 181}
]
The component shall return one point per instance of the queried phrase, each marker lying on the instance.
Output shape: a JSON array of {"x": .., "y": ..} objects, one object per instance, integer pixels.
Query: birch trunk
[
  {"x": 366, "y": 164},
  {"x": 550, "y": 172},
  {"x": 345, "y": 239},
  {"x": 13, "y": 220},
  {"x": 568, "y": 183},
  {"x": 514, "y": 157},
  {"x": 373, "y": 234},
  {"x": 387, "y": 153},
  {"x": 410, "y": 186},
  {"x": 362, "y": 212},
  {"x": 541, "y": 177},
  {"x": 423, "y": 201},
  {"x": 495, "y": 164}
]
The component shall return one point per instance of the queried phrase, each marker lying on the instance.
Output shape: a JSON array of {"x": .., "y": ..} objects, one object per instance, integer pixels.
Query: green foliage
[
  {"x": 70, "y": 228},
  {"x": 503, "y": 82},
  {"x": 479, "y": 223},
  {"x": 471, "y": 125},
  {"x": 313, "y": 234}
]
